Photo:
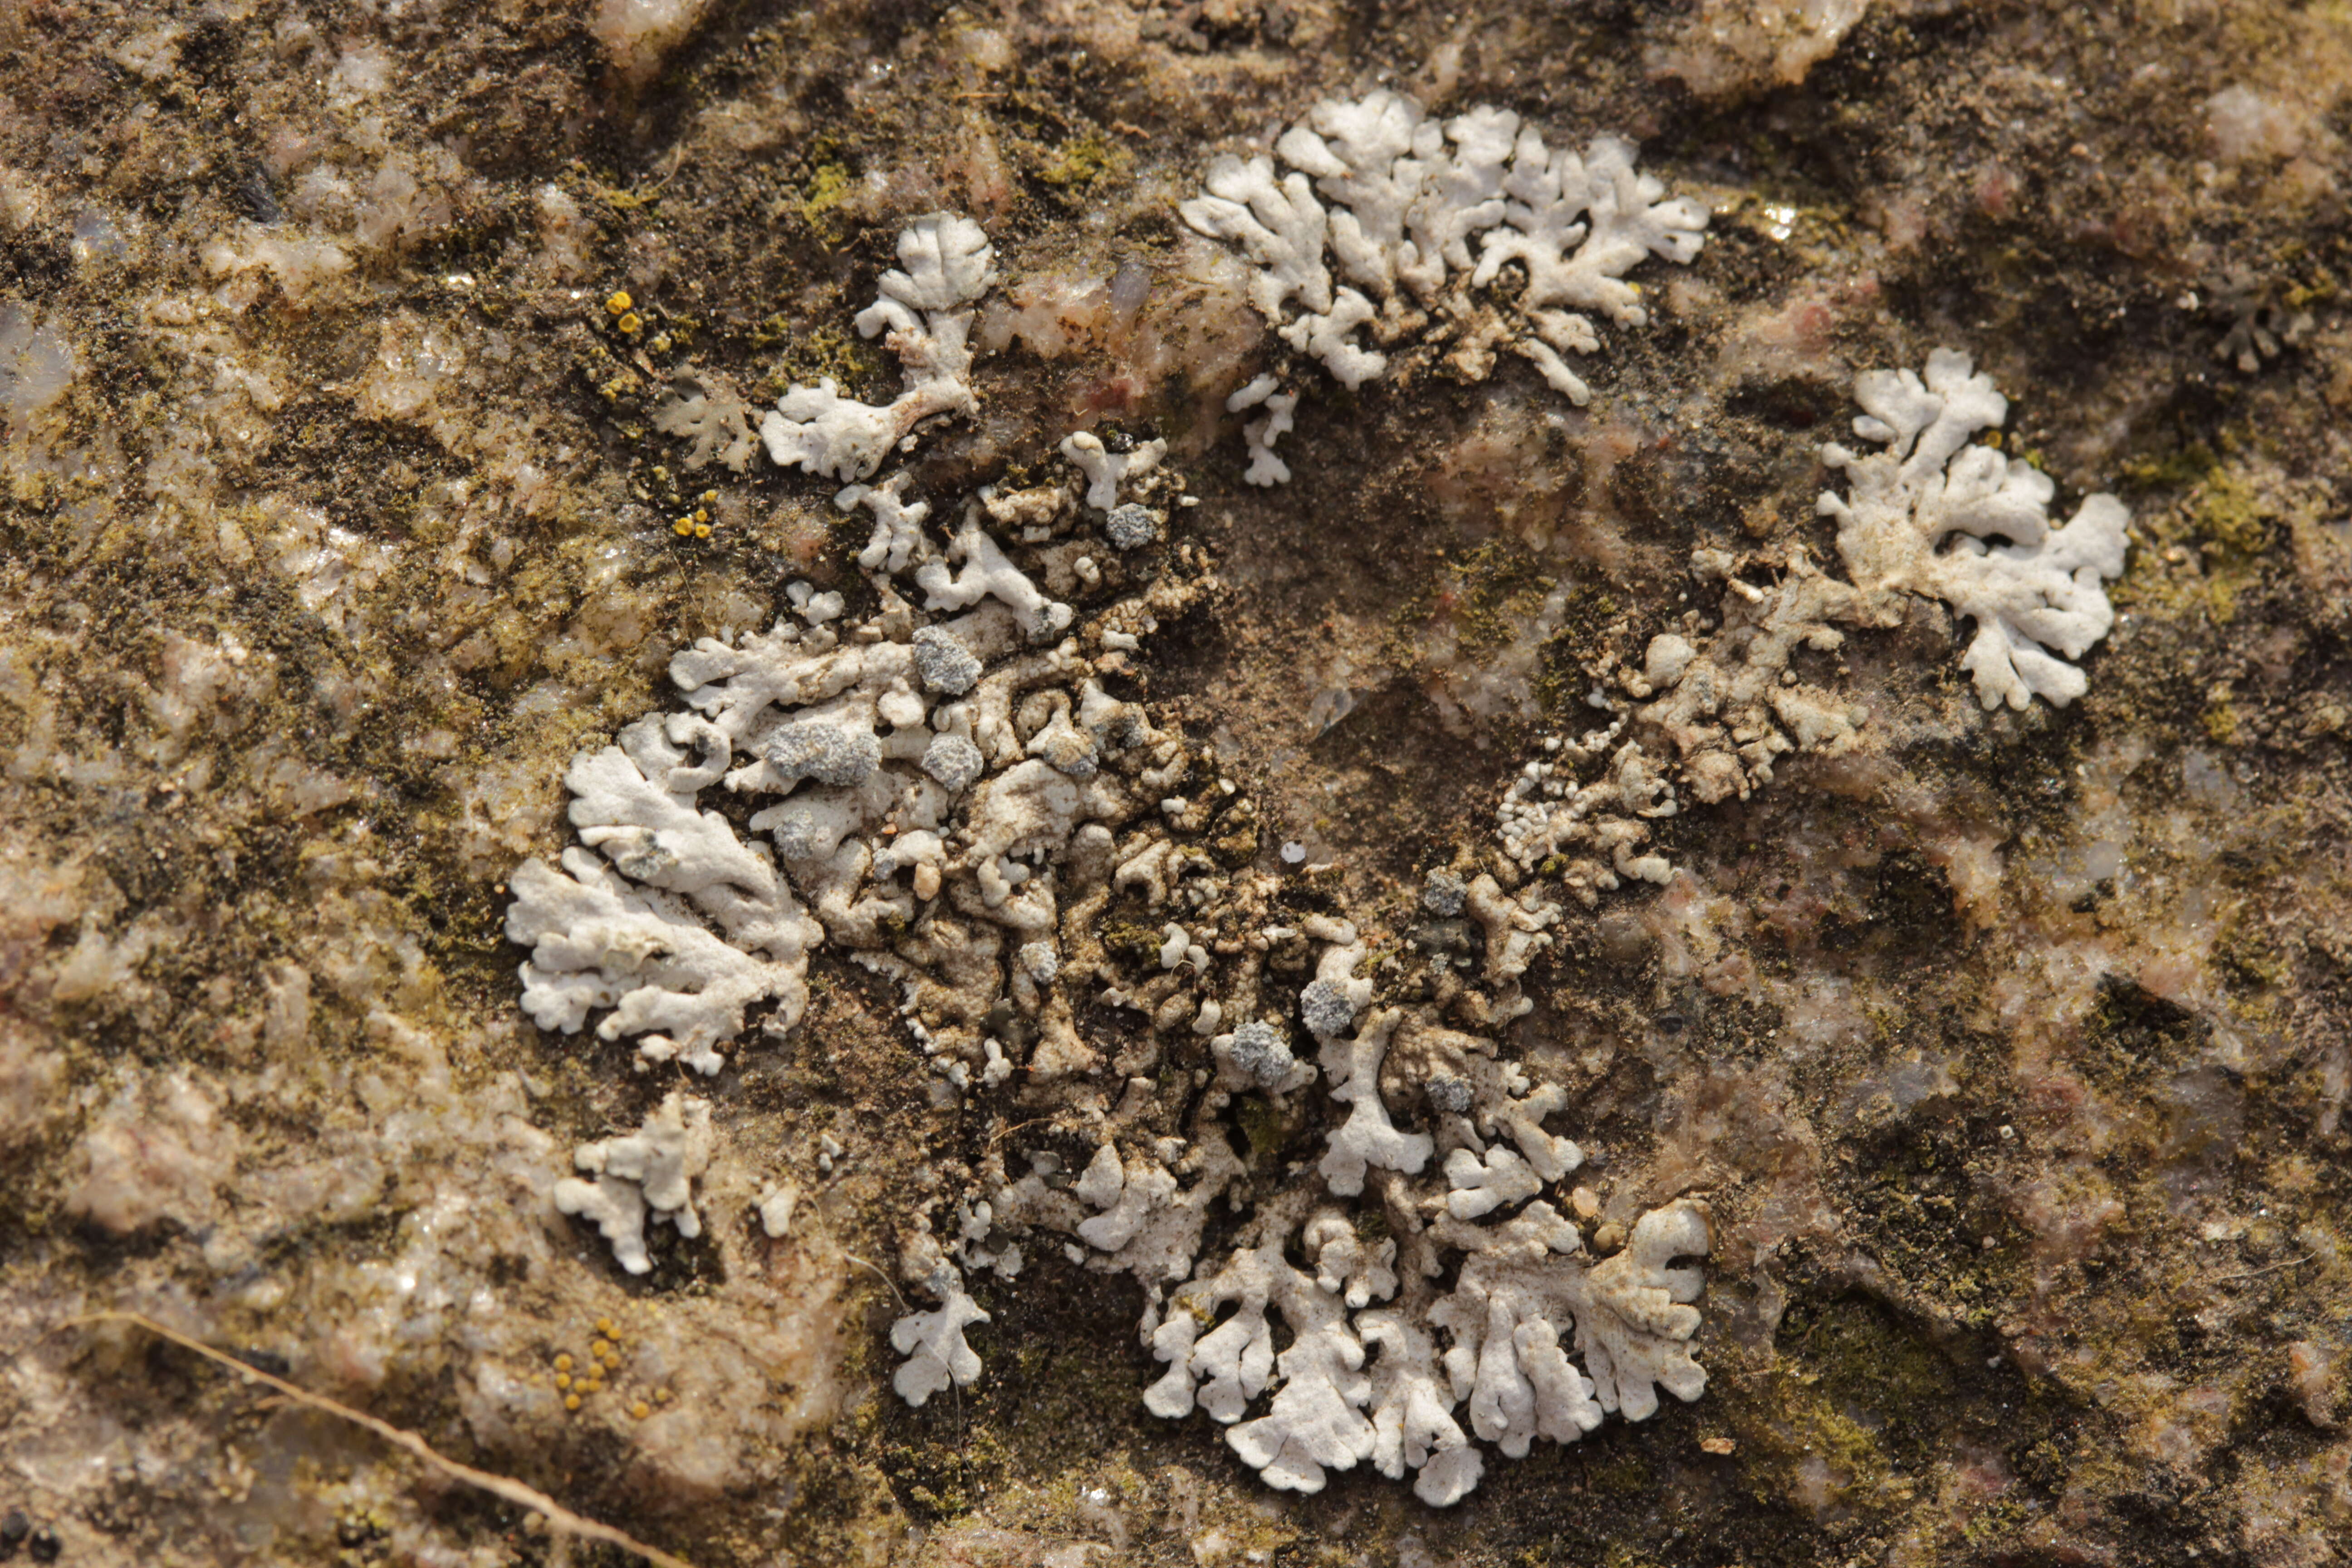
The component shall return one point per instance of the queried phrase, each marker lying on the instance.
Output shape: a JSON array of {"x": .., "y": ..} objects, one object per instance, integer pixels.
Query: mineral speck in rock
[
  {"x": 953, "y": 761},
  {"x": 1451, "y": 1094},
  {"x": 945, "y": 664},
  {"x": 1131, "y": 525}
]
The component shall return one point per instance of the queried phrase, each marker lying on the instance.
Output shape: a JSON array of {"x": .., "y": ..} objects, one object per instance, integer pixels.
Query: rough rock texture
[{"x": 379, "y": 390}]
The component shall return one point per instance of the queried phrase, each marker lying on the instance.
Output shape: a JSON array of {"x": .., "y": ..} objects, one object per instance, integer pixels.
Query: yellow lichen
[
  {"x": 829, "y": 186},
  {"x": 1083, "y": 160},
  {"x": 2232, "y": 516}
]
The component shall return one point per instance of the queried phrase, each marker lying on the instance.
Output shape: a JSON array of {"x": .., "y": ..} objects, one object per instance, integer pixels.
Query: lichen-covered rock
[{"x": 364, "y": 377}]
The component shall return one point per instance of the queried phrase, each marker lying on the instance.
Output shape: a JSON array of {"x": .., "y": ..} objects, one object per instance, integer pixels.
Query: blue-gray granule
[
  {"x": 796, "y": 833},
  {"x": 1442, "y": 894},
  {"x": 1450, "y": 1094},
  {"x": 1132, "y": 526},
  {"x": 829, "y": 753},
  {"x": 1259, "y": 1050},
  {"x": 954, "y": 761},
  {"x": 945, "y": 664},
  {"x": 1325, "y": 1006}
]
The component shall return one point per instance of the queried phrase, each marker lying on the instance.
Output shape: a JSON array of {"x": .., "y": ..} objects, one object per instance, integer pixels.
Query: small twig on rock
[
  {"x": 887, "y": 1283},
  {"x": 2266, "y": 1268},
  {"x": 558, "y": 1517}
]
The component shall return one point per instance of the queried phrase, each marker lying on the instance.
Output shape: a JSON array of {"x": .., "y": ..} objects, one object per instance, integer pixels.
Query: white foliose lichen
[
  {"x": 1386, "y": 220},
  {"x": 925, "y": 309},
  {"x": 1935, "y": 513},
  {"x": 941, "y": 794},
  {"x": 1380, "y": 1365},
  {"x": 934, "y": 1347},
  {"x": 1703, "y": 717},
  {"x": 1364, "y": 1377},
  {"x": 709, "y": 412},
  {"x": 1932, "y": 515},
  {"x": 926, "y": 781},
  {"x": 648, "y": 1172},
  {"x": 892, "y": 759},
  {"x": 1262, "y": 433},
  {"x": 681, "y": 929},
  {"x": 1106, "y": 470},
  {"x": 944, "y": 789}
]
